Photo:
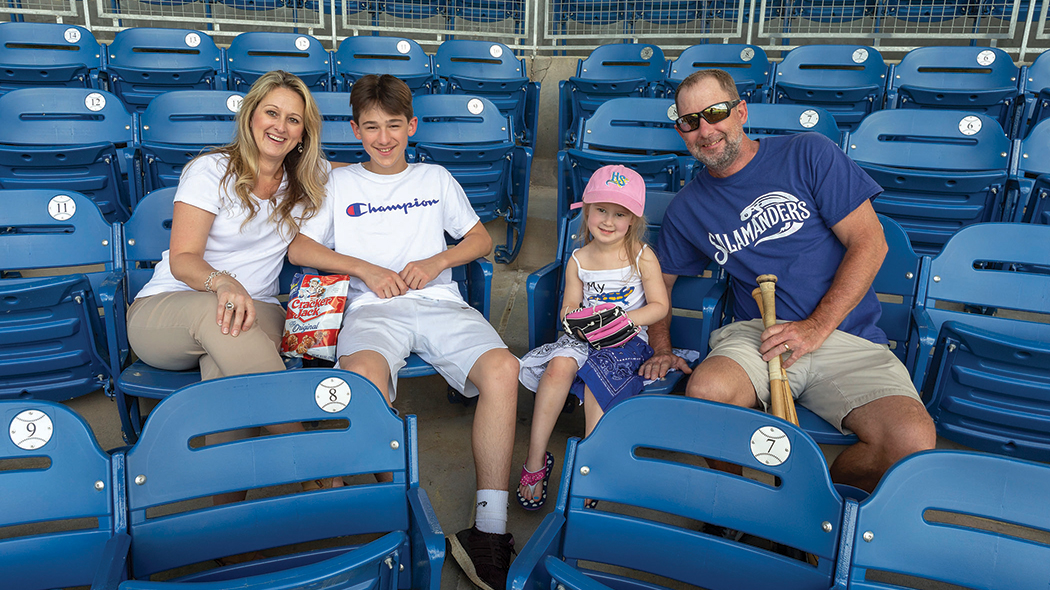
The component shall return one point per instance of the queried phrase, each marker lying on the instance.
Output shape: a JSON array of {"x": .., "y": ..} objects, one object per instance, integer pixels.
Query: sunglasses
[{"x": 712, "y": 114}]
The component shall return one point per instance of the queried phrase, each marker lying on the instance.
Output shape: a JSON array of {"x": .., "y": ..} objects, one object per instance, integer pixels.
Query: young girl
[{"x": 613, "y": 266}]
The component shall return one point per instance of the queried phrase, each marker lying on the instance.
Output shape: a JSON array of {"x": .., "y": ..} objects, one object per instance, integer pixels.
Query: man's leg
[{"x": 889, "y": 429}]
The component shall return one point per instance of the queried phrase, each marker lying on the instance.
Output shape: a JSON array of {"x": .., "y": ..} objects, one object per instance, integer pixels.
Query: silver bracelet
[{"x": 215, "y": 273}]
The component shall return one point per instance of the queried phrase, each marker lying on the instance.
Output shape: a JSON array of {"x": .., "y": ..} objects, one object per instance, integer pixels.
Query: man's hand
[
  {"x": 383, "y": 282},
  {"x": 799, "y": 338},
  {"x": 660, "y": 363},
  {"x": 418, "y": 274}
]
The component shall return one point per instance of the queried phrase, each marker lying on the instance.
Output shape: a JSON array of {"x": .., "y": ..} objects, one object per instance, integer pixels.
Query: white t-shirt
[
  {"x": 253, "y": 251},
  {"x": 390, "y": 220}
]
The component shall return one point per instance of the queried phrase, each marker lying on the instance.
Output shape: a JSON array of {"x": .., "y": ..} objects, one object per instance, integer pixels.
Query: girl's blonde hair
[
  {"x": 306, "y": 172},
  {"x": 633, "y": 240}
]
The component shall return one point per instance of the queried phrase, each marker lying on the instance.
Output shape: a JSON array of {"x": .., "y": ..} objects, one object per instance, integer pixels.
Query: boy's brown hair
[{"x": 387, "y": 93}]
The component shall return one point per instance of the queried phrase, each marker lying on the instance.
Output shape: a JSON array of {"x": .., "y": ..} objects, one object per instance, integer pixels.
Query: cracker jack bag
[{"x": 315, "y": 312}]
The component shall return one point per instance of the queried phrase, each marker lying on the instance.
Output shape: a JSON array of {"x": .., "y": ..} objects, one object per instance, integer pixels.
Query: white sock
[{"x": 491, "y": 514}]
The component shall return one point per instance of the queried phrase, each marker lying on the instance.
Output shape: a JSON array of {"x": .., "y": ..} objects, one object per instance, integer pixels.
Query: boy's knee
[{"x": 503, "y": 365}]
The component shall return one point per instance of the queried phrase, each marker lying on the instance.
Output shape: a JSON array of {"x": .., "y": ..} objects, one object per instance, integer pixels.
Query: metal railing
[{"x": 574, "y": 27}]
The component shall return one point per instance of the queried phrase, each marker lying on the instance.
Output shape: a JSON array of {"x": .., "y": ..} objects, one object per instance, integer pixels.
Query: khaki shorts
[
  {"x": 845, "y": 373},
  {"x": 449, "y": 336}
]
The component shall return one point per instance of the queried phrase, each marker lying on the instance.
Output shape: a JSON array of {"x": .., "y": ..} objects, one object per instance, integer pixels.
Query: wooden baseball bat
[{"x": 781, "y": 402}]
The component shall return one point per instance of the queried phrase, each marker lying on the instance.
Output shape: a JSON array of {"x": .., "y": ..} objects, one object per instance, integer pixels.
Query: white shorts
[
  {"x": 449, "y": 336},
  {"x": 845, "y": 373}
]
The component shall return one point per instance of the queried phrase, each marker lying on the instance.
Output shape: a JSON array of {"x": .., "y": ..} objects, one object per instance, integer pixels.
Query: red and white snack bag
[{"x": 315, "y": 313}]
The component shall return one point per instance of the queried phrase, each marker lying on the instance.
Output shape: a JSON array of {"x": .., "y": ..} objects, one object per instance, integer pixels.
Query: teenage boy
[{"x": 384, "y": 224}]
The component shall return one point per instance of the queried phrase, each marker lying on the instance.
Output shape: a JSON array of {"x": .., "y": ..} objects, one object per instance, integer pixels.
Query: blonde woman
[{"x": 212, "y": 299}]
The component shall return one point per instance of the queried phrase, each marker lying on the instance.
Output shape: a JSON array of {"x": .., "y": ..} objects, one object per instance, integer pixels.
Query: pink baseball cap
[{"x": 615, "y": 184}]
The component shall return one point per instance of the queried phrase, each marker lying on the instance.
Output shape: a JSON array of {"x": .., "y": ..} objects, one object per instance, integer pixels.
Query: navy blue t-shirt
[{"x": 774, "y": 217}]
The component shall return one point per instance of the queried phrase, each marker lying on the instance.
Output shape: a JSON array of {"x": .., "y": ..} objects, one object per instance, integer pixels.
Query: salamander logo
[{"x": 777, "y": 212}]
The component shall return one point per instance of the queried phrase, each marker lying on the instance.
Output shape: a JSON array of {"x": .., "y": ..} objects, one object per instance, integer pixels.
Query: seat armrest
[
  {"x": 479, "y": 285},
  {"x": 113, "y": 567},
  {"x": 528, "y": 571},
  {"x": 428, "y": 541},
  {"x": 543, "y": 293},
  {"x": 570, "y": 577}
]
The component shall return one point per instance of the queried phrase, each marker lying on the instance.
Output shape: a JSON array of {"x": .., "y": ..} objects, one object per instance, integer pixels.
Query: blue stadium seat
[
  {"x": 764, "y": 120},
  {"x": 483, "y": 68},
  {"x": 591, "y": 13},
  {"x": 144, "y": 238},
  {"x": 62, "y": 526},
  {"x": 700, "y": 300},
  {"x": 1036, "y": 94},
  {"x": 926, "y": 11},
  {"x": 848, "y": 81},
  {"x": 54, "y": 341},
  {"x": 940, "y": 170},
  {"x": 471, "y": 138},
  {"x": 988, "y": 381},
  {"x": 414, "y": 9},
  {"x": 635, "y": 132},
  {"x": 48, "y": 54},
  {"x": 252, "y": 54},
  {"x": 668, "y": 12},
  {"x": 1032, "y": 177},
  {"x": 490, "y": 11},
  {"x": 404, "y": 58},
  {"x": 748, "y": 65},
  {"x": 642, "y": 462},
  {"x": 337, "y": 136},
  {"x": 951, "y": 519},
  {"x": 976, "y": 79},
  {"x": 143, "y": 62},
  {"x": 357, "y": 435},
  {"x": 180, "y": 125},
  {"x": 76, "y": 139},
  {"x": 898, "y": 283},
  {"x": 610, "y": 71}
]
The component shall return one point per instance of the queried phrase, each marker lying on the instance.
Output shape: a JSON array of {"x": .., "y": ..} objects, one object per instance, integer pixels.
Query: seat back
[
  {"x": 252, "y": 54},
  {"x": 986, "y": 303},
  {"x": 975, "y": 79},
  {"x": 958, "y": 518},
  {"x": 635, "y": 132},
  {"x": 610, "y": 71},
  {"x": 179, "y": 126},
  {"x": 147, "y": 234},
  {"x": 57, "y": 258},
  {"x": 1033, "y": 177},
  {"x": 75, "y": 139},
  {"x": 787, "y": 119},
  {"x": 471, "y": 138},
  {"x": 398, "y": 56},
  {"x": 1037, "y": 92},
  {"x": 60, "y": 482},
  {"x": 747, "y": 64},
  {"x": 48, "y": 54},
  {"x": 488, "y": 69},
  {"x": 356, "y": 434},
  {"x": 848, "y": 81},
  {"x": 939, "y": 170},
  {"x": 337, "y": 136},
  {"x": 654, "y": 491},
  {"x": 143, "y": 62}
]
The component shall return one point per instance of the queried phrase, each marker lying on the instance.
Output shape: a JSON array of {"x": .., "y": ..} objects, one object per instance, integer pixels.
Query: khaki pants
[{"x": 177, "y": 331}]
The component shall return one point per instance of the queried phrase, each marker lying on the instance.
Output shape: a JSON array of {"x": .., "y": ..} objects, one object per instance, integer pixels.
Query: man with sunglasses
[{"x": 797, "y": 207}]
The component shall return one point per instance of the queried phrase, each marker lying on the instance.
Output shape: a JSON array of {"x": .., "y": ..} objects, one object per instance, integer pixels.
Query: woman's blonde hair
[
  {"x": 633, "y": 240},
  {"x": 306, "y": 171}
]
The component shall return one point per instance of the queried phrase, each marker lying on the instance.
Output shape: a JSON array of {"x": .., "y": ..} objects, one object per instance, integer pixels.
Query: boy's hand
[
  {"x": 418, "y": 274},
  {"x": 383, "y": 282}
]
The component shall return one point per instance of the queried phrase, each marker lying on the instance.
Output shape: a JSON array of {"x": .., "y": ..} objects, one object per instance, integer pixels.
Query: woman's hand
[{"x": 235, "y": 311}]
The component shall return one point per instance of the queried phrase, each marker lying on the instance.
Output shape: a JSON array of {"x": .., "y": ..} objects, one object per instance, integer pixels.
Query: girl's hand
[{"x": 235, "y": 311}]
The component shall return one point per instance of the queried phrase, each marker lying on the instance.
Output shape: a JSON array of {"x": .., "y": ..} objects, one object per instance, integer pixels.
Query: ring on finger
[
  {"x": 786, "y": 347},
  {"x": 230, "y": 305}
]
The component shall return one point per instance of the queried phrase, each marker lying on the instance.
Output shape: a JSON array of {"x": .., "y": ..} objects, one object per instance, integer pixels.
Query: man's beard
[{"x": 730, "y": 151}]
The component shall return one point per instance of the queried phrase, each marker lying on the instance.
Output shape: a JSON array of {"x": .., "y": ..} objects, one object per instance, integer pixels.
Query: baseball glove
[{"x": 604, "y": 325}]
